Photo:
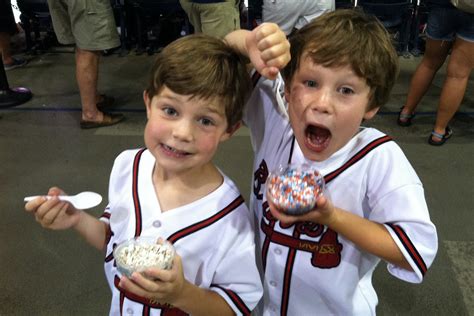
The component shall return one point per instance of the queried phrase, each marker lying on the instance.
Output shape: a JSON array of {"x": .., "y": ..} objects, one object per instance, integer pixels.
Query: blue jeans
[{"x": 445, "y": 24}]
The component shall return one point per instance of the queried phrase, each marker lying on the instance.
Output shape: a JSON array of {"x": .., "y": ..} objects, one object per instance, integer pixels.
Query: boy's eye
[
  {"x": 206, "y": 121},
  {"x": 170, "y": 111},
  {"x": 310, "y": 83},
  {"x": 346, "y": 90}
]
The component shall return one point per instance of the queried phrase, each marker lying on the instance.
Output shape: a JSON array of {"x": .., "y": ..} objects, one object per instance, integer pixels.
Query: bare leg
[
  {"x": 434, "y": 57},
  {"x": 459, "y": 68},
  {"x": 5, "y": 48},
  {"x": 87, "y": 73}
]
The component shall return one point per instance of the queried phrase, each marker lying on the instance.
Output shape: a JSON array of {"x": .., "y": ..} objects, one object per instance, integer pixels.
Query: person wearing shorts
[
  {"x": 449, "y": 31},
  {"x": 7, "y": 29},
  {"x": 213, "y": 17},
  {"x": 445, "y": 23},
  {"x": 289, "y": 16},
  {"x": 90, "y": 25}
]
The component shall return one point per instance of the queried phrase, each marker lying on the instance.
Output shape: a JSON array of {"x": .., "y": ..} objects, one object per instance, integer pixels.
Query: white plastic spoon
[{"x": 82, "y": 201}]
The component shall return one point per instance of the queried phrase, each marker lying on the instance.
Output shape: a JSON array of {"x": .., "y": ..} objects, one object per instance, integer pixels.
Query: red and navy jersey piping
[
  {"x": 206, "y": 222},
  {"x": 358, "y": 156},
  {"x": 409, "y": 247},
  {"x": 238, "y": 302},
  {"x": 136, "y": 198}
]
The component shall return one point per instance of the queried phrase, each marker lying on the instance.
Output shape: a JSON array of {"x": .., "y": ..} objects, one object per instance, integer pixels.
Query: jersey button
[
  {"x": 273, "y": 283},
  {"x": 277, "y": 251},
  {"x": 157, "y": 224},
  {"x": 129, "y": 311}
]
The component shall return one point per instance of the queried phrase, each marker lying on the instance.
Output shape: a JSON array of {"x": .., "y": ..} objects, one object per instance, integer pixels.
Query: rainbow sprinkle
[{"x": 294, "y": 190}]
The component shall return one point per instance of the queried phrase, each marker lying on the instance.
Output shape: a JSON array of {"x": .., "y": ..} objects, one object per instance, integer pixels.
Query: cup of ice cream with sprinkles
[
  {"x": 141, "y": 253},
  {"x": 294, "y": 189}
]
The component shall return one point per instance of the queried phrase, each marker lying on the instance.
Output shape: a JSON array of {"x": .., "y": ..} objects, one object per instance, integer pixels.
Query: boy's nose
[
  {"x": 183, "y": 131},
  {"x": 321, "y": 101}
]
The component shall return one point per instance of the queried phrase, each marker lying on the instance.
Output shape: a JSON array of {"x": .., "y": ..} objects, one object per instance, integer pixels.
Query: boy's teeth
[{"x": 172, "y": 149}]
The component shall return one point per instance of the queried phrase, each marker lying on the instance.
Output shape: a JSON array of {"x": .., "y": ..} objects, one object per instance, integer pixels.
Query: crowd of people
[
  {"x": 448, "y": 34},
  {"x": 316, "y": 80}
]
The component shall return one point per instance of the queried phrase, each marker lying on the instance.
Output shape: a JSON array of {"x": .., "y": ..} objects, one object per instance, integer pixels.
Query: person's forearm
[
  {"x": 197, "y": 301},
  {"x": 236, "y": 39},
  {"x": 92, "y": 230},
  {"x": 370, "y": 236}
]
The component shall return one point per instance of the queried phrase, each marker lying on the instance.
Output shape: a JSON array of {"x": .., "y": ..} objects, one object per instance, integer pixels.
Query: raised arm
[{"x": 266, "y": 46}]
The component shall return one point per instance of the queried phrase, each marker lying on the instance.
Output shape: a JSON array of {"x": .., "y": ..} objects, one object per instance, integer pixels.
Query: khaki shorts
[
  {"x": 89, "y": 24},
  {"x": 216, "y": 19}
]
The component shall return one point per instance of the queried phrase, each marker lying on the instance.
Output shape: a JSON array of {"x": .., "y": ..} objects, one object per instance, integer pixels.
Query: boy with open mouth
[{"x": 342, "y": 69}]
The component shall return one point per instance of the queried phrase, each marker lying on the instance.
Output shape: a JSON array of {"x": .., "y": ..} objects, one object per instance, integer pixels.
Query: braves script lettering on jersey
[
  {"x": 226, "y": 267},
  {"x": 310, "y": 269}
]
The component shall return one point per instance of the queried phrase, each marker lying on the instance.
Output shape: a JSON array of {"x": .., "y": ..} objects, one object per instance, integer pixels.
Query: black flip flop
[
  {"x": 405, "y": 117},
  {"x": 444, "y": 137}
]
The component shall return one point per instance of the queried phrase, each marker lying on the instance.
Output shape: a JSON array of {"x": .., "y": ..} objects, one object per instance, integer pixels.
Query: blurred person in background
[
  {"x": 290, "y": 15},
  {"x": 8, "y": 28},
  {"x": 213, "y": 17},
  {"x": 448, "y": 30},
  {"x": 90, "y": 25}
]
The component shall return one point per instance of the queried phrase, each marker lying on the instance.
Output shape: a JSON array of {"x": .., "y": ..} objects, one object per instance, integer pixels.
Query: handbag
[{"x": 464, "y": 5}]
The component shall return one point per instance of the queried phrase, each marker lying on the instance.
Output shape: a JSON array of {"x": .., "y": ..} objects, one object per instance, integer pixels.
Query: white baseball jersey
[
  {"x": 213, "y": 235},
  {"x": 308, "y": 268}
]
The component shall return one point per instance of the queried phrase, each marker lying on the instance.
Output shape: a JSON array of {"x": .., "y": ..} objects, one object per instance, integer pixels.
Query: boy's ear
[
  {"x": 231, "y": 130},
  {"x": 147, "y": 101},
  {"x": 371, "y": 113}
]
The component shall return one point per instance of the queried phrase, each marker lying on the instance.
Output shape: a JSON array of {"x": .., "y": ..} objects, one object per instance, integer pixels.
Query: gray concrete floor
[{"x": 55, "y": 273}]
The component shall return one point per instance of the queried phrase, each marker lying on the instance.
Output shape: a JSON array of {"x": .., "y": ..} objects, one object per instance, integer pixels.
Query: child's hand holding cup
[{"x": 294, "y": 189}]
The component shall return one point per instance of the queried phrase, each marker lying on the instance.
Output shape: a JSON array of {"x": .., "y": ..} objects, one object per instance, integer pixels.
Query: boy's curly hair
[
  {"x": 348, "y": 37},
  {"x": 203, "y": 67}
]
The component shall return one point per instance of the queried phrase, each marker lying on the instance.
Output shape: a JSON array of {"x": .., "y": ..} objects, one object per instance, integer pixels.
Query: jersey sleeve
[
  {"x": 236, "y": 278},
  {"x": 397, "y": 200}
]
